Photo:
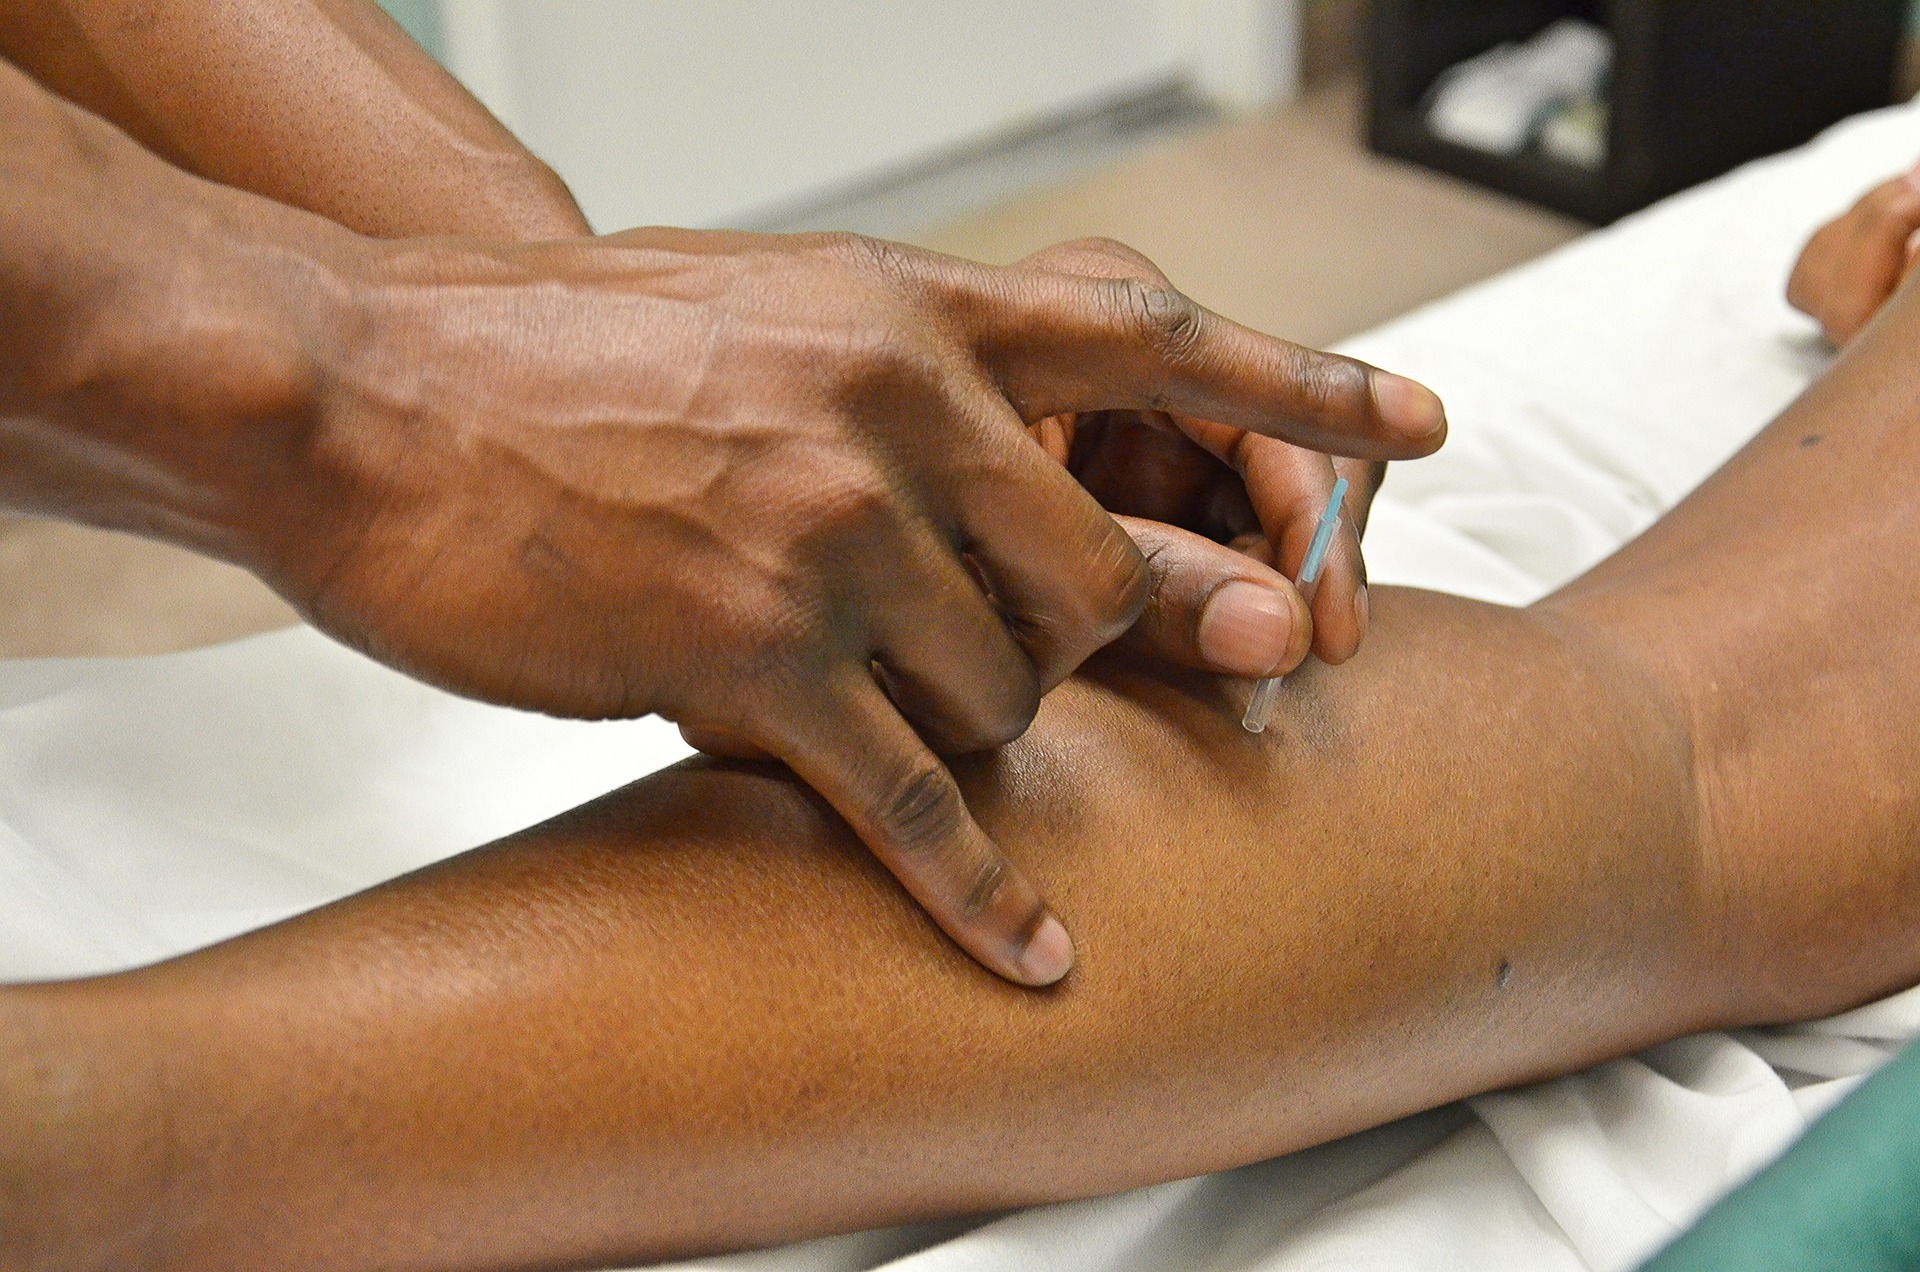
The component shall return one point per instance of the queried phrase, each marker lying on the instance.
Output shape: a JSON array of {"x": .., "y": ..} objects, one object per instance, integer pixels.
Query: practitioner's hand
[
  {"x": 778, "y": 489},
  {"x": 1209, "y": 606},
  {"x": 1214, "y": 608},
  {"x": 1854, "y": 262},
  {"x": 1223, "y": 482}
]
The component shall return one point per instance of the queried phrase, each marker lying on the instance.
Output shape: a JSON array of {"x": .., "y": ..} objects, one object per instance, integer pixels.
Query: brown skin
[
  {"x": 328, "y": 105},
  {"x": 694, "y": 1015},
  {"x": 778, "y": 489},
  {"x": 325, "y": 105}
]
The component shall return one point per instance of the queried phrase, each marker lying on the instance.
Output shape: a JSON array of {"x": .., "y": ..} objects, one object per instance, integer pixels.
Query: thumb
[{"x": 1215, "y": 609}]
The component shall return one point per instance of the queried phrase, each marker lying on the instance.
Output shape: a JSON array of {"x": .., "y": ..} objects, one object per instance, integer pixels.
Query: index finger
[
  {"x": 1060, "y": 344},
  {"x": 901, "y": 800}
]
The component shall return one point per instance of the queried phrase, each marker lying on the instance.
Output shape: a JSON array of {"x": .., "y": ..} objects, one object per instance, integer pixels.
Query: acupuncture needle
[{"x": 1267, "y": 691}]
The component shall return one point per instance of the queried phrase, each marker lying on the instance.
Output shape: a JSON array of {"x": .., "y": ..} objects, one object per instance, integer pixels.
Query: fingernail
[
  {"x": 1245, "y": 628},
  {"x": 1406, "y": 406},
  {"x": 1912, "y": 178},
  {"x": 1049, "y": 955},
  {"x": 1361, "y": 612}
]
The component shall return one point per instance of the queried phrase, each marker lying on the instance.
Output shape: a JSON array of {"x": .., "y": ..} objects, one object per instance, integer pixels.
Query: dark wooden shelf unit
[{"x": 1699, "y": 86}]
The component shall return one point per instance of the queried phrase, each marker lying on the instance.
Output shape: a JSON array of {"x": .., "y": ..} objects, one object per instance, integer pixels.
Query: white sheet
[{"x": 151, "y": 805}]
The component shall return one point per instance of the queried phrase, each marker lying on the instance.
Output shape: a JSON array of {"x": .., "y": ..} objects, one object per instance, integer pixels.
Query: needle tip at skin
[
  {"x": 1408, "y": 408},
  {"x": 1049, "y": 955}
]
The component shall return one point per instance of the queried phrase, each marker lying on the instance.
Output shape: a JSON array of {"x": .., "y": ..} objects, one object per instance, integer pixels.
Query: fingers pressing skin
[
  {"x": 951, "y": 663},
  {"x": 496, "y": 488},
  {"x": 1853, "y": 263},
  {"x": 854, "y": 748},
  {"x": 1209, "y": 607},
  {"x": 1215, "y": 609}
]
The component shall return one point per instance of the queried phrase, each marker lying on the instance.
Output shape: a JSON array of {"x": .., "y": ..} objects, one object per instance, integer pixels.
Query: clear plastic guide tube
[{"x": 1260, "y": 706}]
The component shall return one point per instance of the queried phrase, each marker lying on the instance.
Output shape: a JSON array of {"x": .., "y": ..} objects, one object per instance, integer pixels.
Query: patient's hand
[
  {"x": 1854, "y": 262},
  {"x": 1215, "y": 480}
]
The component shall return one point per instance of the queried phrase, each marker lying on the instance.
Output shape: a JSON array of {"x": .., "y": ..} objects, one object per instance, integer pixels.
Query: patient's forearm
[
  {"x": 694, "y": 1014},
  {"x": 1780, "y": 604}
]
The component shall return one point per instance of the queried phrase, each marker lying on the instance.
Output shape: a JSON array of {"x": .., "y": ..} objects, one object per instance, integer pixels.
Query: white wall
[{"x": 713, "y": 112}]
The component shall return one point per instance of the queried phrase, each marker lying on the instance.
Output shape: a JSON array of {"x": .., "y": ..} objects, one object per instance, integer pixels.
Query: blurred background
[{"x": 1227, "y": 139}]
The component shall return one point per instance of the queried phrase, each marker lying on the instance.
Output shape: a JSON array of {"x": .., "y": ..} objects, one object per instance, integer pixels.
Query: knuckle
[
  {"x": 1122, "y": 584},
  {"x": 989, "y": 881},
  {"x": 1161, "y": 572},
  {"x": 838, "y": 515},
  {"x": 1168, "y": 322},
  {"x": 923, "y": 812},
  {"x": 780, "y": 649},
  {"x": 1125, "y": 260},
  {"x": 884, "y": 368},
  {"x": 1331, "y": 387},
  {"x": 853, "y": 510},
  {"x": 1013, "y": 715},
  {"x": 1104, "y": 245}
]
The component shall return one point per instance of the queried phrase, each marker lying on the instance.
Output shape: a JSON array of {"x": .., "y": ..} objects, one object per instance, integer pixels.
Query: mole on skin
[
  {"x": 1811, "y": 439},
  {"x": 1503, "y": 975}
]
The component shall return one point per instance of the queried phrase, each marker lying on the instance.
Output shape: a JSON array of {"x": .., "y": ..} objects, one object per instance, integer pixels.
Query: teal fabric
[{"x": 1846, "y": 1198}]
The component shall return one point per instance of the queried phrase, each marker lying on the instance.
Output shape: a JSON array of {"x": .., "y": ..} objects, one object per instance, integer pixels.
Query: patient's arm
[
  {"x": 1495, "y": 845},
  {"x": 695, "y": 1014}
]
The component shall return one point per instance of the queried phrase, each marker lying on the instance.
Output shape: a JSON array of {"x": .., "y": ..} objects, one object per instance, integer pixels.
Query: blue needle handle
[{"x": 1265, "y": 692}]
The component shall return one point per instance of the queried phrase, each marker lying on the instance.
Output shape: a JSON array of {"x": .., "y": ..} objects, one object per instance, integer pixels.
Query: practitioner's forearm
[
  {"x": 326, "y": 105},
  {"x": 162, "y": 339},
  {"x": 695, "y": 1014}
]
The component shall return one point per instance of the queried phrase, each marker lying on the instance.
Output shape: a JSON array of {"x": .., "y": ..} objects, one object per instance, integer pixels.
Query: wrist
[
  {"x": 167, "y": 337},
  {"x": 198, "y": 385}
]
